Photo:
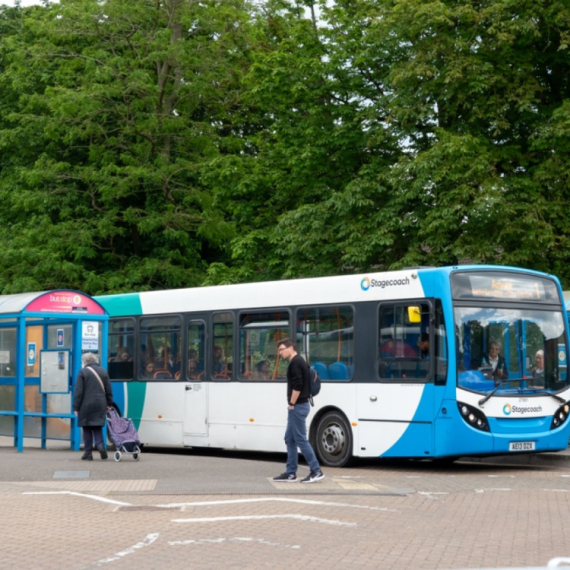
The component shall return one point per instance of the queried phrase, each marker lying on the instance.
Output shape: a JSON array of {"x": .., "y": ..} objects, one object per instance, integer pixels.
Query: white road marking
[
  {"x": 233, "y": 539},
  {"x": 431, "y": 495},
  {"x": 274, "y": 499},
  {"x": 484, "y": 490},
  {"x": 497, "y": 476},
  {"x": 262, "y": 517},
  {"x": 149, "y": 539},
  {"x": 94, "y": 497}
]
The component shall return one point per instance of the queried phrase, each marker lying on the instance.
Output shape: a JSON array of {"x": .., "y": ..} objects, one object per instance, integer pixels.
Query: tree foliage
[
  {"x": 116, "y": 109},
  {"x": 168, "y": 143}
]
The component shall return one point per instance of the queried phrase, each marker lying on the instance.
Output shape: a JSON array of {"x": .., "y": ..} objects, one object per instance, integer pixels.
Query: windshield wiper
[
  {"x": 483, "y": 400},
  {"x": 541, "y": 391},
  {"x": 545, "y": 392}
]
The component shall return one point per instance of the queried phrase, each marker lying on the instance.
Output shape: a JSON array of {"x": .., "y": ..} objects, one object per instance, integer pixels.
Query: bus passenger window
[
  {"x": 258, "y": 337},
  {"x": 160, "y": 339},
  {"x": 196, "y": 350},
  {"x": 222, "y": 352},
  {"x": 404, "y": 349},
  {"x": 325, "y": 337},
  {"x": 121, "y": 349}
]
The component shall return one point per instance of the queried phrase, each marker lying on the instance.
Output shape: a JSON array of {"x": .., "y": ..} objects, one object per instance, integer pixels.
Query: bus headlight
[
  {"x": 560, "y": 416},
  {"x": 473, "y": 417}
]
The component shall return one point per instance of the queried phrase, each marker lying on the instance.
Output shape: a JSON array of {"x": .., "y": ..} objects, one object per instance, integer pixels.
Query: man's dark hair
[
  {"x": 425, "y": 336},
  {"x": 287, "y": 342}
]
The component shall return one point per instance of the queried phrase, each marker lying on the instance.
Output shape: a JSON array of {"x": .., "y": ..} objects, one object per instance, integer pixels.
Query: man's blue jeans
[{"x": 296, "y": 437}]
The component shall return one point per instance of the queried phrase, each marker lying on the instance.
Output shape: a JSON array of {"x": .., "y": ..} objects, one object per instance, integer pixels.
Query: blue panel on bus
[
  {"x": 417, "y": 440},
  {"x": 119, "y": 389},
  {"x": 519, "y": 425}
]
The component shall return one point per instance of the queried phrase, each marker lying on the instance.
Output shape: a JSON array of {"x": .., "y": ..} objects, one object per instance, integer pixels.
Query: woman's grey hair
[{"x": 89, "y": 358}]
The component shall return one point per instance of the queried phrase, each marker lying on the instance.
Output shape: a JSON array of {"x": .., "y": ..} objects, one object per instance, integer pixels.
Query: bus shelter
[{"x": 42, "y": 338}]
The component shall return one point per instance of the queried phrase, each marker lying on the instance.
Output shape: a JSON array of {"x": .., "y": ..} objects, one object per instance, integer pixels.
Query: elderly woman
[{"x": 93, "y": 397}]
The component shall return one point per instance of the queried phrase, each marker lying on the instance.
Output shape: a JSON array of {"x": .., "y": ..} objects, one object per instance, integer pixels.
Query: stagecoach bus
[{"x": 419, "y": 363}]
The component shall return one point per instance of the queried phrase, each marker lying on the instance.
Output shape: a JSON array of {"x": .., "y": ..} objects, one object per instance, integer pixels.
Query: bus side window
[
  {"x": 121, "y": 349},
  {"x": 223, "y": 346},
  {"x": 404, "y": 350},
  {"x": 160, "y": 347},
  {"x": 196, "y": 350},
  {"x": 258, "y": 337},
  {"x": 325, "y": 337}
]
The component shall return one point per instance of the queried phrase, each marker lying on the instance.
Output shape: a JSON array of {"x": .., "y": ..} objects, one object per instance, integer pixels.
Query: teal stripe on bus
[{"x": 121, "y": 305}]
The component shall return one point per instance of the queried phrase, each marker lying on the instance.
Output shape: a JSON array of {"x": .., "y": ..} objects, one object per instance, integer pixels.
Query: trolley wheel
[
  {"x": 136, "y": 456},
  {"x": 334, "y": 440},
  {"x": 117, "y": 456}
]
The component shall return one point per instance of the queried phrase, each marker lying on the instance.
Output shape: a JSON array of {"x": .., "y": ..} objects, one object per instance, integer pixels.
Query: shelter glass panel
[
  {"x": 7, "y": 352},
  {"x": 34, "y": 343},
  {"x": 32, "y": 403},
  {"x": 60, "y": 336}
]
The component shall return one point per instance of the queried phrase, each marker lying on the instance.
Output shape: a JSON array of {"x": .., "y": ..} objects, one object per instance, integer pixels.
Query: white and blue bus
[{"x": 418, "y": 363}]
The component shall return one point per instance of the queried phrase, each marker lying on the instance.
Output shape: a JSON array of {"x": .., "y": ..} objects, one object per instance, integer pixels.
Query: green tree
[
  {"x": 410, "y": 132},
  {"x": 121, "y": 107}
]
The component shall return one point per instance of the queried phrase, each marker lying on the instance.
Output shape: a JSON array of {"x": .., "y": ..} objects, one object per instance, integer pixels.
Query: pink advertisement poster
[{"x": 65, "y": 302}]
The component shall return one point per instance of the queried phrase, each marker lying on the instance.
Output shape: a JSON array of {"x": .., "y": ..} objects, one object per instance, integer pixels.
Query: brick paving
[
  {"x": 450, "y": 520},
  {"x": 180, "y": 511}
]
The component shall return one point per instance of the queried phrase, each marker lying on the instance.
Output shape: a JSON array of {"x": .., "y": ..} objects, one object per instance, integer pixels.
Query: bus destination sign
[{"x": 506, "y": 286}]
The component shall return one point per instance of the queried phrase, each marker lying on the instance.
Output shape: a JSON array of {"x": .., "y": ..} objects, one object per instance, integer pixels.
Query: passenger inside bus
[
  {"x": 219, "y": 362},
  {"x": 149, "y": 369},
  {"x": 423, "y": 345},
  {"x": 193, "y": 372},
  {"x": 123, "y": 355},
  {"x": 261, "y": 371},
  {"x": 493, "y": 364},
  {"x": 538, "y": 371}
]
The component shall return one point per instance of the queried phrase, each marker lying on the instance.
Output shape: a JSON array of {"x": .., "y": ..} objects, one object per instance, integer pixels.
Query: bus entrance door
[{"x": 195, "y": 410}]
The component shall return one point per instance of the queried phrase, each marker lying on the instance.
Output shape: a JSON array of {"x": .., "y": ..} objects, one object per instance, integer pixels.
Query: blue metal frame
[{"x": 22, "y": 320}]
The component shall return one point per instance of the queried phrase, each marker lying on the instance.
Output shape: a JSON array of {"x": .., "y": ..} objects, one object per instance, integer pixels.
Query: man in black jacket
[{"x": 298, "y": 409}]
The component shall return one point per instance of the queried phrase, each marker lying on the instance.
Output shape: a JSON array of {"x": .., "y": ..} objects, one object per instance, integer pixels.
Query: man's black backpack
[{"x": 314, "y": 384}]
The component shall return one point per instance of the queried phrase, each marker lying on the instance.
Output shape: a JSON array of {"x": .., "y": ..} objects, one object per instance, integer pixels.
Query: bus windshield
[{"x": 506, "y": 348}]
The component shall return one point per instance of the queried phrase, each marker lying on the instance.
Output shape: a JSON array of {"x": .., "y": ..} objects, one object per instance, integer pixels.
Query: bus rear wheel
[{"x": 334, "y": 440}]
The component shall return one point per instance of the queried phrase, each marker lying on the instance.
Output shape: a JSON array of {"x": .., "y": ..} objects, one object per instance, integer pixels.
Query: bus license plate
[{"x": 521, "y": 446}]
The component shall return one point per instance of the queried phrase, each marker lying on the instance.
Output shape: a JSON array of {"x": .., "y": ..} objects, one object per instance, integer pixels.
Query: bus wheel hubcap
[{"x": 333, "y": 439}]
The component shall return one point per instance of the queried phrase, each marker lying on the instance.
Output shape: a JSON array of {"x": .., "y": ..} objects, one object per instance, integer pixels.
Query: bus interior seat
[
  {"x": 474, "y": 380},
  {"x": 338, "y": 371},
  {"x": 162, "y": 375},
  {"x": 322, "y": 370}
]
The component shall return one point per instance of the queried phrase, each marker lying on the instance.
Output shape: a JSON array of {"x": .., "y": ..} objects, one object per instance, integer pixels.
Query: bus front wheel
[{"x": 334, "y": 440}]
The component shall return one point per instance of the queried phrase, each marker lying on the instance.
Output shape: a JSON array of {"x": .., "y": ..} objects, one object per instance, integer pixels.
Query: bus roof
[{"x": 404, "y": 284}]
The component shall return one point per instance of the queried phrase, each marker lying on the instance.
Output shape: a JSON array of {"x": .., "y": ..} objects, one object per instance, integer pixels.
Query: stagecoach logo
[
  {"x": 507, "y": 409},
  {"x": 366, "y": 283}
]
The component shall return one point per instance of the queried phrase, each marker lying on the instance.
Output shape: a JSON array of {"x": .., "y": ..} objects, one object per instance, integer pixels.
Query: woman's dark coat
[{"x": 90, "y": 400}]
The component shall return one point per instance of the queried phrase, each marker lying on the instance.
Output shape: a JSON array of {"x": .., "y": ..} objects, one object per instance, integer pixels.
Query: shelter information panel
[{"x": 54, "y": 371}]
